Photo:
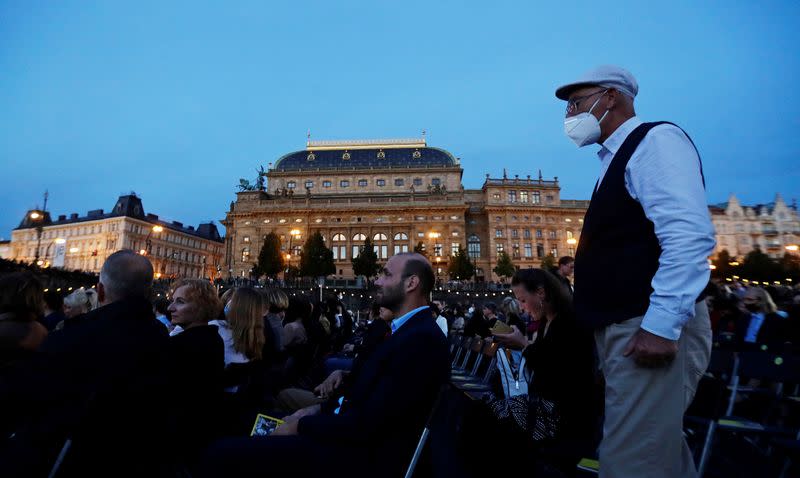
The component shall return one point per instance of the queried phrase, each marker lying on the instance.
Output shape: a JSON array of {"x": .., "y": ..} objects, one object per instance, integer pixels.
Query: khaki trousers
[{"x": 643, "y": 427}]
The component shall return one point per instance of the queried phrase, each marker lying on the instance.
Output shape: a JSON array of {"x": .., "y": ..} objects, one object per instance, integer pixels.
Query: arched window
[
  {"x": 339, "y": 237},
  {"x": 291, "y": 185},
  {"x": 474, "y": 246},
  {"x": 570, "y": 235},
  {"x": 360, "y": 237},
  {"x": 401, "y": 236},
  {"x": 380, "y": 237},
  {"x": 245, "y": 254}
]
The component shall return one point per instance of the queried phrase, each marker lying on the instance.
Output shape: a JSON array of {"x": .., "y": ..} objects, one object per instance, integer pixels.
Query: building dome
[{"x": 365, "y": 154}]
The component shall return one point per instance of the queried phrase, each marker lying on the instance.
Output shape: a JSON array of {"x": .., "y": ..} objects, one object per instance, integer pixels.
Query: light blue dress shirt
[
  {"x": 663, "y": 175},
  {"x": 398, "y": 322}
]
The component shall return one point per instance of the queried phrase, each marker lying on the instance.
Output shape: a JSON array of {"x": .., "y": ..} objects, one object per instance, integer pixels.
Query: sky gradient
[{"x": 178, "y": 100}]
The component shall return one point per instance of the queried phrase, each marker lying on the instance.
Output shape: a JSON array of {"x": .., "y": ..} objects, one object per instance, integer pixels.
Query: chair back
[{"x": 774, "y": 367}]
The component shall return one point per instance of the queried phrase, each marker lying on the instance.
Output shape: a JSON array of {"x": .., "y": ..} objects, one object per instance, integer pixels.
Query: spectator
[
  {"x": 560, "y": 414},
  {"x": 566, "y": 266},
  {"x": 21, "y": 308},
  {"x": 278, "y": 303},
  {"x": 160, "y": 307},
  {"x": 649, "y": 212},
  {"x": 53, "y": 309},
  {"x": 458, "y": 320},
  {"x": 294, "y": 332},
  {"x": 512, "y": 313},
  {"x": 760, "y": 323},
  {"x": 242, "y": 330}
]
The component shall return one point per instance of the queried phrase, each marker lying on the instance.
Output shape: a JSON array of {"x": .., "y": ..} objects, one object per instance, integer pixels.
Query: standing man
[
  {"x": 566, "y": 266},
  {"x": 651, "y": 327}
]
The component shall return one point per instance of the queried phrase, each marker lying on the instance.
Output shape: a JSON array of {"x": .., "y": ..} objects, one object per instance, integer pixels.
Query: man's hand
[
  {"x": 515, "y": 340},
  {"x": 650, "y": 350},
  {"x": 330, "y": 384},
  {"x": 304, "y": 412}
]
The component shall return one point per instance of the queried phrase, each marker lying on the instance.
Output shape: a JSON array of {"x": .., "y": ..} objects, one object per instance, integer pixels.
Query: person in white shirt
[{"x": 652, "y": 330}]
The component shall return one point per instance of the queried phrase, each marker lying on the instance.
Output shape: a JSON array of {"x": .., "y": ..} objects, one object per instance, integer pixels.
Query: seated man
[
  {"x": 384, "y": 413},
  {"x": 99, "y": 383}
]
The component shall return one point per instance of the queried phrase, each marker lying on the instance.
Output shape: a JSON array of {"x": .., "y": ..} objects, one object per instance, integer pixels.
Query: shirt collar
[
  {"x": 615, "y": 140},
  {"x": 398, "y": 322}
]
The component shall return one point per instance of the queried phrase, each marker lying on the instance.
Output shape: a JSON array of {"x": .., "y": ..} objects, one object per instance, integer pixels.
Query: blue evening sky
[{"x": 177, "y": 100}]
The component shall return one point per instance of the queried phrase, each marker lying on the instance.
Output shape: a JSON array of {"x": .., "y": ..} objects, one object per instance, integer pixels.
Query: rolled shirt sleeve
[{"x": 664, "y": 175}]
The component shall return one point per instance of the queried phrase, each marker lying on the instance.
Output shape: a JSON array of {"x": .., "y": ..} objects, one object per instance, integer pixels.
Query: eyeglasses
[{"x": 575, "y": 103}]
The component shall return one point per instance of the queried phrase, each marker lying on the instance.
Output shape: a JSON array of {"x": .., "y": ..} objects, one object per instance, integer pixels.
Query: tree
[
  {"x": 366, "y": 263},
  {"x": 790, "y": 263},
  {"x": 461, "y": 267},
  {"x": 270, "y": 260},
  {"x": 758, "y": 266},
  {"x": 722, "y": 265},
  {"x": 549, "y": 262},
  {"x": 505, "y": 268},
  {"x": 420, "y": 249},
  {"x": 316, "y": 260}
]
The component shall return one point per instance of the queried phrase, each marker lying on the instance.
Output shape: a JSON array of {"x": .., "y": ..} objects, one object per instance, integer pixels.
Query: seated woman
[
  {"x": 76, "y": 305},
  {"x": 197, "y": 359},
  {"x": 559, "y": 417},
  {"x": 242, "y": 329},
  {"x": 21, "y": 306}
]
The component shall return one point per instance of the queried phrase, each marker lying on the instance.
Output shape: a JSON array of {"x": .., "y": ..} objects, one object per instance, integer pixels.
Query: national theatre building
[{"x": 399, "y": 193}]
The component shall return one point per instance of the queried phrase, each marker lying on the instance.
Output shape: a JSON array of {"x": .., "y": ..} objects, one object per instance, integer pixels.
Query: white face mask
[{"x": 584, "y": 128}]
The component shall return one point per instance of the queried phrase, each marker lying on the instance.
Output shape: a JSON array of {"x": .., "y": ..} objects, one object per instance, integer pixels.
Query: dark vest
[{"x": 618, "y": 252}]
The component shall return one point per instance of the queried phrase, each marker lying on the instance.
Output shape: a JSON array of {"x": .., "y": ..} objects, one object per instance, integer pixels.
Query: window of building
[
  {"x": 380, "y": 183},
  {"x": 539, "y": 234},
  {"x": 539, "y": 250},
  {"x": 498, "y": 218},
  {"x": 291, "y": 185},
  {"x": 526, "y": 233},
  {"x": 382, "y": 251},
  {"x": 514, "y": 233},
  {"x": 496, "y": 196},
  {"x": 339, "y": 252},
  {"x": 536, "y": 197},
  {"x": 362, "y": 183},
  {"x": 552, "y": 234},
  {"x": 338, "y": 237},
  {"x": 436, "y": 181},
  {"x": 570, "y": 235},
  {"x": 360, "y": 237},
  {"x": 549, "y": 198},
  {"x": 474, "y": 246},
  {"x": 420, "y": 234},
  {"x": 454, "y": 247},
  {"x": 357, "y": 250},
  {"x": 523, "y": 196},
  {"x": 399, "y": 182},
  {"x": 528, "y": 250},
  {"x": 326, "y": 184},
  {"x": 454, "y": 233},
  {"x": 344, "y": 183},
  {"x": 380, "y": 237},
  {"x": 500, "y": 247},
  {"x": 419, "y": 218},
  {"x": 515, "y": 251},
  {"x": 417, "y": 181},
  {"x": 554, "y": 251},
  {"x": 309, "y": 184},
  {"x": 245, "y": 254},
  {"x": 401, "y": 236},
  {"x": 246, "y": 239},
  {"x": 401, "y": 248},
  {"x": 282, "y": 221},
  {"x": 498, "y": 233},
  {"x": 512, "y": 196},
  {"x": 437, "y": 249}
]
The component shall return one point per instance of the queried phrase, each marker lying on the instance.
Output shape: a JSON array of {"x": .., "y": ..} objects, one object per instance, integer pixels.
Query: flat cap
[{"x": 608, "y": 76}]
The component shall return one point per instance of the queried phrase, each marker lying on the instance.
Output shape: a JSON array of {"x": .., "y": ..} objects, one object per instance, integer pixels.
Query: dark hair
[
  {"x": 21, "y": 294},
  {"x": 566, "y": 260},
  {"x": 161, "y": 304},
  {"x": 420, "y": 267},
  {"x": 491, "y": 306},
  {"x": 54, "y": 300},
  {"x": 555, "y": 293}
]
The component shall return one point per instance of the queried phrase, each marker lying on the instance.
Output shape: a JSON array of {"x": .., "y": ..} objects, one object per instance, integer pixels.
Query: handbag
[{"x": 509, "y": 365}]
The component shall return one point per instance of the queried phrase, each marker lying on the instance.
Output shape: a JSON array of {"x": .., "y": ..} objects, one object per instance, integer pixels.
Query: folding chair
[
  {"x": 461, "y": 350},
  {"x": 423, "y": 439},
  {"x": 774, "y": 368},
  {"x": 475, "y": 347}
]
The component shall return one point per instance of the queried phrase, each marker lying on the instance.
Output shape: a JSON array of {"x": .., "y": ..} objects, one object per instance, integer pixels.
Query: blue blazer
[{"x": 391, "y": 397}]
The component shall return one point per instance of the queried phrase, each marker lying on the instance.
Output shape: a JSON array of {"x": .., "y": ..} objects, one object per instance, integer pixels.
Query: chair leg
[
  {"x": 706, "y": 453},
  {"x": 417, "y": 452}
]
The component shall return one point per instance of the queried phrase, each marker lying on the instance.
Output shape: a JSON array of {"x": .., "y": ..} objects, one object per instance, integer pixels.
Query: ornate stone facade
[
  {"x": 771, "y": 227},
  {"x": 84, "y": 242},
  {"x": 399, "y": 193}
]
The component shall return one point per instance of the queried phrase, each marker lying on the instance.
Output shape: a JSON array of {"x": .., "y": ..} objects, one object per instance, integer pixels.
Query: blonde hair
[
  {"x": 766, "y": 300},
  {"x": 84, "y": 299},
  {"x": 246, "y": 320},
  {"x": 510, "y": 306},
  {"x": 204, "y": 296},
  {"x": 277, "y": 298}
]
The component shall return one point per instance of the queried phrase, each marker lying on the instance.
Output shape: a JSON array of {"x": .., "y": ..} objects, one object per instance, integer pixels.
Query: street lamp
[
  {"x": 294, "y": 233},
  {"x": 148, "y": 243},
  {"x": 792, "y": 248}
]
